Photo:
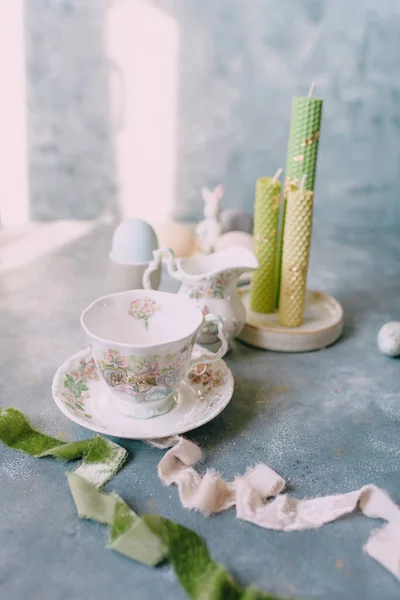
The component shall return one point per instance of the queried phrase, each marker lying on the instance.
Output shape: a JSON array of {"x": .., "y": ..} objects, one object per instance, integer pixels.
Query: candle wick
[
  {"x": 312, "y": 89},
  {"x": 303, "y": 182},
  {"x": 277, "y": 175}
]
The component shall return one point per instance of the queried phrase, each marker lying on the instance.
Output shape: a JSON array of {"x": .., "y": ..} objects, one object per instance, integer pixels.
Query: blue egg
[{"x": 133, "y": 242}]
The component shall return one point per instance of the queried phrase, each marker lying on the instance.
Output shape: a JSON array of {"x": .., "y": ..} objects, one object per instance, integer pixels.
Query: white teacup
[{"x": 142, "y": 342}]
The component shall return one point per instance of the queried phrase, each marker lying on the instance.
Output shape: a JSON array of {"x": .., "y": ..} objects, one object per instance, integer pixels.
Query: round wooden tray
[{"x": 322, "y": 326}]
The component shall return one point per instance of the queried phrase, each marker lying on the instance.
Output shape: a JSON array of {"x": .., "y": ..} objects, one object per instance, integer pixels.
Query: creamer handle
[{"x": 164, "y": 255}]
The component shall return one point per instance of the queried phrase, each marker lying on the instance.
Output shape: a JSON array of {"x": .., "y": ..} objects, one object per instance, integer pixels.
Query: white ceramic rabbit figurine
[{"x": 209, "y": 231}]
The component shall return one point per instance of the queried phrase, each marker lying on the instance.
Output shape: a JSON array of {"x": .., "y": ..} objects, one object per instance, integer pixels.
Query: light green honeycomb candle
[
  {"x": 296, "y": 252},
  {"x": 266, "y": 216},
  {"x": 305, "y": 124}
]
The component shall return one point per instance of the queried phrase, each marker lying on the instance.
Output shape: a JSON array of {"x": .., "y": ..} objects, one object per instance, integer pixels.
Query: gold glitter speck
[
  {"x": 276, "y": 202},
  {"x": 309, "y": 141},
  {"x": 291, "y": 184}
]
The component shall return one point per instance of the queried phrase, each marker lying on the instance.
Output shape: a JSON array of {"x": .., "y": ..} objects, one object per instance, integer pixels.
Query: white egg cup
[{"x": 126, "y": 277}]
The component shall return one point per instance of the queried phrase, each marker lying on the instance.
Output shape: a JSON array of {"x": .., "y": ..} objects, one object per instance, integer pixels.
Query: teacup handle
[{"x": 208, "y": 357}]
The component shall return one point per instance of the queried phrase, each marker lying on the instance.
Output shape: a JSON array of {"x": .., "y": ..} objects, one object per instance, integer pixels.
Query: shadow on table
[
  {"x": 358, "y": 306},
  {"x": 236, "y": 417}
]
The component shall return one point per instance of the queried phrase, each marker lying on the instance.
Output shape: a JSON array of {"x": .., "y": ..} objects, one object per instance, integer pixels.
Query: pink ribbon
[{"x": 259, "y": 499}]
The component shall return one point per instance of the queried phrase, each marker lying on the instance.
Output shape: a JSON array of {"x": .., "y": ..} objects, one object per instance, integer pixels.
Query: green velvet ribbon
[{"x": 148, "y": 539}]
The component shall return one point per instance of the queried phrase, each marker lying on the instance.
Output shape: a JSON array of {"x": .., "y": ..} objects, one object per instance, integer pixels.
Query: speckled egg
[
  {"x": 236, "y": 220},
  {"x": 133, "y": 242},
  {"x": 389, "y": 339},
  {"x": 235, "y": 238}
]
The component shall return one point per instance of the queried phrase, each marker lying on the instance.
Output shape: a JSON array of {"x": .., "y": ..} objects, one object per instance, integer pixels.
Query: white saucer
[
  {"x": 84, "y": 398},
  {"x": 322, "y": 325}
]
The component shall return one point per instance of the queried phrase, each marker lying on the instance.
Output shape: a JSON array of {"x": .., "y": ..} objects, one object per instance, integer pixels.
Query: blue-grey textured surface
[
  {"x": 239, "y": 64},
  {"x": 328, "y": 421}
]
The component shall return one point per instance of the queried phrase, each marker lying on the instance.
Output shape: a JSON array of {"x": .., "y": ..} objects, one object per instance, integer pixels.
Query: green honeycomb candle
[
  {"x": 296, "y": 251},
  {"x": 302, "y": 154},
  {"x": 266, "y": 215},
  {"x": 303, "y": 142}
]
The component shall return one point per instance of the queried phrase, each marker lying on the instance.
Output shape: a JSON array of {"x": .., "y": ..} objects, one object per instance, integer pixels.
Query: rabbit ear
[
  {"x": 206, "y": 193},
  {"x": 218, "y": 192}
]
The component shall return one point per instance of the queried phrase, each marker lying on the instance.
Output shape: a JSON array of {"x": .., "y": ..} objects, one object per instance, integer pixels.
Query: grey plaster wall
[
  {"x": 240, "y": 62},
  {"x": 71, "y": 168}
]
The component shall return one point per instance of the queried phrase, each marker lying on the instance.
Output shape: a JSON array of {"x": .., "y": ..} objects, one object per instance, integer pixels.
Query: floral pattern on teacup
[
  {"x": 142, "y": 309},
  {"x": 207, "y": 397},
  {"x": 75, "y": 386},
  {"x": 144, "y": 379}
]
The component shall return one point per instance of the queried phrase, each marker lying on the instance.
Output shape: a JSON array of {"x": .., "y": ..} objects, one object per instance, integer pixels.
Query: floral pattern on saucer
[
  {"x": 200, "y": 397},
  {"x": 143, "y": 309},
  {"x": 207, "y": 377},
  {"x": 76, "y": 386}
]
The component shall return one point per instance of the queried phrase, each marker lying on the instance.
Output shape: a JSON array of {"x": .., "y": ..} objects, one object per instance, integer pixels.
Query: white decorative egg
[
  {"x": 133, "y": 242},
  {"x": 389, "y": 339},
  {"x": 235, "y": 238}
]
